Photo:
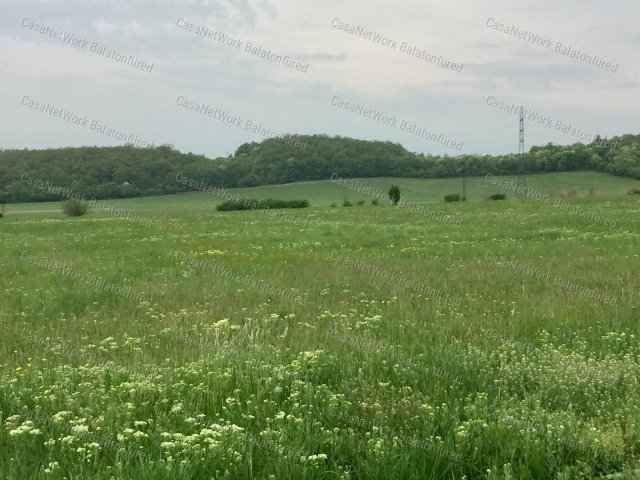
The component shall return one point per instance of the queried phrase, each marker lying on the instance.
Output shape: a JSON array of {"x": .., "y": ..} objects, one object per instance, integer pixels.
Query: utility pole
[
  {"x": 464, "y": 187},
  {"x": 462, "y": 170}
]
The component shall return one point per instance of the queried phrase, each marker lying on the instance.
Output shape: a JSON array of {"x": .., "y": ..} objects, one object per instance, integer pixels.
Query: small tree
[
  {"x": 394, "y": 194},
  {"x": 74, "y": 208}
]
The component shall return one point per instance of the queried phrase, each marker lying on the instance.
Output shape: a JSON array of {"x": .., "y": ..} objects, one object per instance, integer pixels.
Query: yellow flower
[{"x": 18, "y": 369}]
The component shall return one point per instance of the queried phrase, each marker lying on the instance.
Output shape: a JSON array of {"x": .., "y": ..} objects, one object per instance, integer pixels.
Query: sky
[{"x": 206, "y": 76}]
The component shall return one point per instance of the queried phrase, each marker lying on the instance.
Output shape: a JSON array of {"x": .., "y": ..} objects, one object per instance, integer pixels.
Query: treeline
[{"x": 116, "y": 172}]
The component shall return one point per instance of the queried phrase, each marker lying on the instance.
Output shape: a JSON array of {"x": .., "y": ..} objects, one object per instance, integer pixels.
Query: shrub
[
  {"x": 360, "y": 203},
  {"x": 634, "y": 191},
  {"x": 498, "y": 196},
  {"x": 232, "y": 205},
  {"x": 74, "y": 208},
  {"x": 375, "y": 201},
  {"x": 333, "y": 205},
  {"x": 452, "y": 197},
  {"x": 346, "y": 203},
  {"x": 295, "y": 204},
  {"x": 394, "y": 194},
  {"x": 268, "y": 204}
]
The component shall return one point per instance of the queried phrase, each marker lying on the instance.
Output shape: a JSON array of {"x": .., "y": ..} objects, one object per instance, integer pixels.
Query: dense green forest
[{"x": 115, "y": 172}]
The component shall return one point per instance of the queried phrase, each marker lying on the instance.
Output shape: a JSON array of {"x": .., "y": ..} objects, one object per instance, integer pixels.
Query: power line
[{"x": 502, "y": 127}]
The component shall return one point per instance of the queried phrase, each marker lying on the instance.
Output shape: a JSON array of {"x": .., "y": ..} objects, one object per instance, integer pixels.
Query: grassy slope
[{"x": 324, "y": 193}]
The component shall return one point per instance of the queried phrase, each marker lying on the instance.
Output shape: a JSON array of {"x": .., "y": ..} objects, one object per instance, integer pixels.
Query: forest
[{"x": 127, "y": 171}]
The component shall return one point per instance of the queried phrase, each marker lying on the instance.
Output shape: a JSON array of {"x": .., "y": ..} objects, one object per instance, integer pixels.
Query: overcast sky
[{"x": 498, "y": 51}]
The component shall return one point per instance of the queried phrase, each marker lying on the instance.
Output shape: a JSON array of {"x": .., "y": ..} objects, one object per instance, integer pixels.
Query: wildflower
[
  {"x": 27, "y": 428},
  {"x": 53, "y": 466},
  {"x": 79, "y": 429}
]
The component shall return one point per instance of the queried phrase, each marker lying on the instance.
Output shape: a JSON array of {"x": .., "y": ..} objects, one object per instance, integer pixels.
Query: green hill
[{"x": 125, "y": 172}]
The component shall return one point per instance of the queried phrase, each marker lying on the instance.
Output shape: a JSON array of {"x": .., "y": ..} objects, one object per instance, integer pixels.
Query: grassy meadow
[
  {"x": 376, "y": 343},
  {"x": 325, "y": 193}
]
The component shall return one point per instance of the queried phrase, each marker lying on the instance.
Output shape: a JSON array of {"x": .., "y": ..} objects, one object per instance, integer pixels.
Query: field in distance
[{"x": 326, "y": 192}]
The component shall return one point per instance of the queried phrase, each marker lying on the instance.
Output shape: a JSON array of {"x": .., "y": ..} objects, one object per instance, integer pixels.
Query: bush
[
  {"x": 230, "y": 205},
  {"x": 252, "y": 204},
  {"x": 74, "y": 208},
  {"x": 452, "y": 197},
  {"x": 347, "y": 203},
  {"x": 360, "y": 203},
  {"x": 394, "y": 194},
  {"x": 333, "y": 205},
  {"x": 375, "y": 201},
  {"x": 498, "y": 196},
  {"x": 634, "y": 191}
]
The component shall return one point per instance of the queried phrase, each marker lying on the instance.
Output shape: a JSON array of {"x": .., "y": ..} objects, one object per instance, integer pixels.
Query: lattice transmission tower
[{"x": 522, "y": 179}]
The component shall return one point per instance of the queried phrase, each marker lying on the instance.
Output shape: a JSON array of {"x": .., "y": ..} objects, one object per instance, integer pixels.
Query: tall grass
[{"x": 218, "y": 378}]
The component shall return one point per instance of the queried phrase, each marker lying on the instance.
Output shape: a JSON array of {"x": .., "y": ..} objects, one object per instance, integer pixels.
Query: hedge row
[{"x": 252, "y": 204}]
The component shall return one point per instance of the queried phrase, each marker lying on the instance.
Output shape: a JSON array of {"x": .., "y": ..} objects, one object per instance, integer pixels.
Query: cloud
[{"x": 340, "y": 63}]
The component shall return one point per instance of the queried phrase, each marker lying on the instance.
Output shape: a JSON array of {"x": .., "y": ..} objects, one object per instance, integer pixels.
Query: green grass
[
  {"x": 215, "y": 372},
  {"x": 323, "y": 193}
]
